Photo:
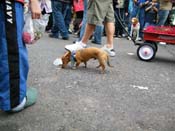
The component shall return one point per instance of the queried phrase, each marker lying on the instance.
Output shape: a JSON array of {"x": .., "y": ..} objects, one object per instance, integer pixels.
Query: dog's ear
[{"x": 68, "y": 54}]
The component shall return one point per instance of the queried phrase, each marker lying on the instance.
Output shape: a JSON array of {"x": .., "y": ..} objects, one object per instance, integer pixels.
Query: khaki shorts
[{"x": 100, "y": 11}]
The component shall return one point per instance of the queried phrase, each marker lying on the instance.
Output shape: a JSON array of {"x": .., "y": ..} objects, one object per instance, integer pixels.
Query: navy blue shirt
[{"x": 151, "y": 15}]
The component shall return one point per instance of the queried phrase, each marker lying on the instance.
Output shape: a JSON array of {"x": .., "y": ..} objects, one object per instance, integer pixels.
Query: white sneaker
[
  {"x": 75, "y": 47},
  {"x": 110, "y": 51}
]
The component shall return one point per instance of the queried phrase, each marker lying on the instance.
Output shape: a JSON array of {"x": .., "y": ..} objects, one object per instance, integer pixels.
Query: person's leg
[
  {"x": 84, "y": 20},
  {"x": 142, "y": 22},
  {"x": 13, "y": 61},
  {"x": 110, "y": 32},
  {"x": 110, "y": 29},
  {"x": 54, "y": 30},
  {"x": 50, "y": 23},
  {"x": 88, "y": 32},
  {"x": 67, "y": 16},
  {"x": 122, "y": 18},
  {"x": 116, "y": 33},
  {"x": 162, "y": 15},
  {"x": 98, "y": 35},
  {"x": 59, "y": 18}
]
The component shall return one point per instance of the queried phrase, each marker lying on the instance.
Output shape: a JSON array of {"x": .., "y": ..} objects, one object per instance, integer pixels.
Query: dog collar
[{"x": 72, "y": 59}]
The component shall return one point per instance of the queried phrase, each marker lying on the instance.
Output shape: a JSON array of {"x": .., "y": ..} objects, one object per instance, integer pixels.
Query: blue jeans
[
  {"x": 61, "y": 18},
  {"x": 163, "y": 15},
  {"x": 13, "y": 58},
  {"x": 142, "y": 21},
  {"x": 98, "y": 34},
  {"x": 84, "y": 20},
  {"x": 149, "y": 24}
]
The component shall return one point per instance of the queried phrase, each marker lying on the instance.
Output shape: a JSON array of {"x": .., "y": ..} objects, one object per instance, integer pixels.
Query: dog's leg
[
  {"x": 103, "y": 68},
  {"x": 102, "y": 64},
  {"x": 129, "y": 38},
  {"x": 137, "y": 38},
  {"x": 85, "y": 63},
  {"x": 78, "y": 63}
]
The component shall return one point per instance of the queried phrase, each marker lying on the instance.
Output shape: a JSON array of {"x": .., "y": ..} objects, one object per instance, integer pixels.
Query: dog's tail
[{"x": 108, "y": 61}]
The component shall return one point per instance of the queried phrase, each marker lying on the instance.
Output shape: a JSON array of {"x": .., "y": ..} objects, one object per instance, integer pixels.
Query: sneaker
[
  {"x": 31, "y": 97},
  {"x": 110, "y": 51},
  {"x": 75, "y": 47},
  {"x": 28, "y": 101}
]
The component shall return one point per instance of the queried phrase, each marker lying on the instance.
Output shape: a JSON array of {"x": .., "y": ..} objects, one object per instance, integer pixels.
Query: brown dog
[{"x": 85, "y": 54}]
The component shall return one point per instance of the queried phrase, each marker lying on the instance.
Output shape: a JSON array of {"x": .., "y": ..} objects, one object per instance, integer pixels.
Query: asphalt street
[{"x": 132, "y": 96}]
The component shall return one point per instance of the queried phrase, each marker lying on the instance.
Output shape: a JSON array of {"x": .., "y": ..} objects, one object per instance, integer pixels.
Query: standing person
[
  {"x": 98, "y": 30},
  {"x": 141, "y": 17},
  {"x": 164, "y": 10},
  {"x": 47, "y": 9},
  {"x": 151, "y": 11},
  {"x": 165, "y": 7},
  {"x": 61, "y": 11},
  {"x": 14, "y": 94},
  {"x": 99, "y": 11},
  {"x": 78, "y": 8},
  {"x": 121, "y": 11}
]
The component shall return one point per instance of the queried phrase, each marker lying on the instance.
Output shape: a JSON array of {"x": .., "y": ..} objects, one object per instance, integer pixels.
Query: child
[{"x": 151, "y": 10}]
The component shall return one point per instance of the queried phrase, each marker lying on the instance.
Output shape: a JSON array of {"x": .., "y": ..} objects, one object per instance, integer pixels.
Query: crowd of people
[{"x": 72, "y": 12}]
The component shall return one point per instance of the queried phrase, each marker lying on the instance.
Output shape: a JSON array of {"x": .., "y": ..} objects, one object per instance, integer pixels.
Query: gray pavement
[{"x": 132, "y": 96}]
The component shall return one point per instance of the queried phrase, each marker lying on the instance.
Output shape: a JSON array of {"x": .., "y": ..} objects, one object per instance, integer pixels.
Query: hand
[
  {"x": 135, "y": 1},
  {"x": 35, "y": 9}
]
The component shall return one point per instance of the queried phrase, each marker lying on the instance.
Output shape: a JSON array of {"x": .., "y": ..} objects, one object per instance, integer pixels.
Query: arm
[
  {"x": 35, "y": 9},
  {"x": 148, "y": 8},
  {"x": 156, "y": 7}
]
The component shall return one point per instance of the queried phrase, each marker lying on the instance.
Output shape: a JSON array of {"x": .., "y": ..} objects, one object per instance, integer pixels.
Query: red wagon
[{"x": 152, "y": 36}]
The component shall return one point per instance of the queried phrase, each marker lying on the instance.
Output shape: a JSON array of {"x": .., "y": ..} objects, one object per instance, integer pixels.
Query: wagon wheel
[
  {"x": 154, "y": 44},
  {"x": 146, "y": 52}
]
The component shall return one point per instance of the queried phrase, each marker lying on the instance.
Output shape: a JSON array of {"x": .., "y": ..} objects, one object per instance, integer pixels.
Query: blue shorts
[{"x": 13, "y": 56}]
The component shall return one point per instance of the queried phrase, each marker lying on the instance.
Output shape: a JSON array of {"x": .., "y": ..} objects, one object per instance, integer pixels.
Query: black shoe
[{"x": 65, "y": 38}]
